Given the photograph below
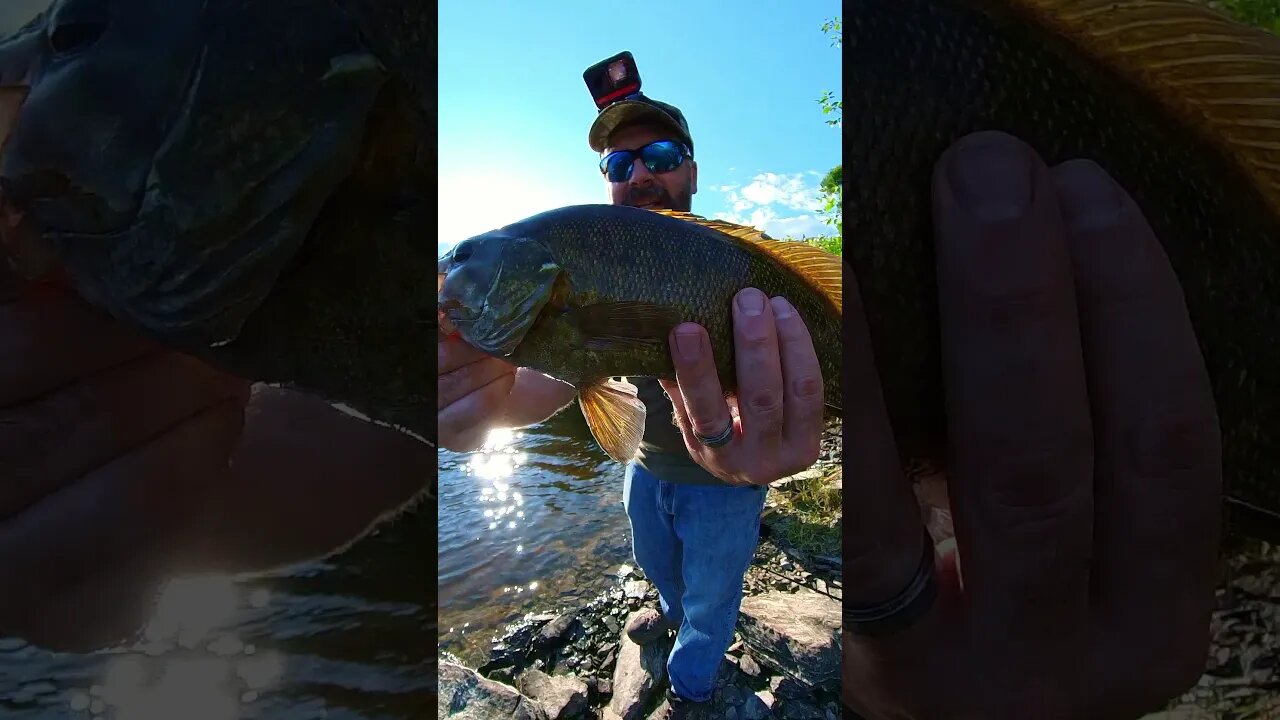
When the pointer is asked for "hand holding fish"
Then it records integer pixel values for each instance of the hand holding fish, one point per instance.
(1085, 464)
(122, 464)
(103, 436)
(777, 429)
(472, 393)
(477, 393)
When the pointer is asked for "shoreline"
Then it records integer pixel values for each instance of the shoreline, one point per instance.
(574, 661)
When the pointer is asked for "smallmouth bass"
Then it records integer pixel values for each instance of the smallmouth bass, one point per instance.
(589, 293)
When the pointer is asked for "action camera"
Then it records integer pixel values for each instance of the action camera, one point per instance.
(612, 79)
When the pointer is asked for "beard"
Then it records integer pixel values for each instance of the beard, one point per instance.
(656, 195)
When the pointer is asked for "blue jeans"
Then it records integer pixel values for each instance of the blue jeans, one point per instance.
(695, 543)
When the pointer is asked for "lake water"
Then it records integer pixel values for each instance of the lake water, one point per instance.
(532, 522)
(349, 639)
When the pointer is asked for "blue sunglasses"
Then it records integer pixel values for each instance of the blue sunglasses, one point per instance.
(660, 157)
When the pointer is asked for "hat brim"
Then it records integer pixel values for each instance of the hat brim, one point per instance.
(631, 112)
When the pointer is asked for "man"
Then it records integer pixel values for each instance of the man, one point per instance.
(694, 492)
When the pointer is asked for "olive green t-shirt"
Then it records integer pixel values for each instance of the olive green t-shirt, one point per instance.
(662, 451)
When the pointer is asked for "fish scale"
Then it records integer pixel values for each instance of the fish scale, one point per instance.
(1053, 73)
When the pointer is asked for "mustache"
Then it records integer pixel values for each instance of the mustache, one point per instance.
(645, 195)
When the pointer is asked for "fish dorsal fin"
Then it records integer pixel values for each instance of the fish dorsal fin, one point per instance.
(1218, 75)
(819, 269)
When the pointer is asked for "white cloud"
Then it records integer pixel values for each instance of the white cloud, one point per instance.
(782, 205)
(778, 226)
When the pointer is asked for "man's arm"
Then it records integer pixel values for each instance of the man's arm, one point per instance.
(536, 398)
(307, 479)
(477, 393)
(118, 473)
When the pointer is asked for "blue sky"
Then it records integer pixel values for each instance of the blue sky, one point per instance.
(514, 110)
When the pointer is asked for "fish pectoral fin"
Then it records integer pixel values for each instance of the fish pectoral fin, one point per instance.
(625, 325)
(615, 414)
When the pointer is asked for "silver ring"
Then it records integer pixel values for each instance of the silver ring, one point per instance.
(719, 440)
(902, 611)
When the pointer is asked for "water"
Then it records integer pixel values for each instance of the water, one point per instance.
(345, 639)
(532, 522)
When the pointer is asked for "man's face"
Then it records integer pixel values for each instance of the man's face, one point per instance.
(671, 191)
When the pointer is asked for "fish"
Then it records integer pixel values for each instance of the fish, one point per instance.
(1175, 100)
(240, 180)
(588, 294)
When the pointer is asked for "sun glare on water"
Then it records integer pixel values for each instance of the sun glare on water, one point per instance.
(494, 467)
(186, 666)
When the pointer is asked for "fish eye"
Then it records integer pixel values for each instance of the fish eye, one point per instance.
(73, 36)
(463, 251)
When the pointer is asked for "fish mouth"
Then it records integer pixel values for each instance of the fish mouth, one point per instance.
(453, 317)
(475, 300)
(24, 250)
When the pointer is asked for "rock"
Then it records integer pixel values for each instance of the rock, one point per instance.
(759, 706)
(748, 666)
(466, 695)
(797, 634)
(502, 675)
(635, 589)
(638, 677)
(555, 632)
(1183, 712)
(800, 710)
(787, 689)
(612, 624)
(561, 697)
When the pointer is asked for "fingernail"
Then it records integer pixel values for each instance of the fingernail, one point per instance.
(689, 345)
(991, 177)
(1089, 198)
(751, 302)
(781, 308)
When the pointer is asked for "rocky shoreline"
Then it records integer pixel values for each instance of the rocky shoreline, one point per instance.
(1241, 680)
(578, 663)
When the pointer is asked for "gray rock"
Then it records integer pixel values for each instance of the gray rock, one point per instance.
(759, 706)
(800, 710)
(787, 689)
(635, 589)
(748, 666)
(561, 697)
(555, 632)
(467, 695)
(797, 634)
(638, 677)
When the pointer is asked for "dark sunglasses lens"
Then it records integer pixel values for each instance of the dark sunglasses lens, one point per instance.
(618, 166)
(662, 157)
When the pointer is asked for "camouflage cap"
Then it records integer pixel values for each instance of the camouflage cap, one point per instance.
(637, 109)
